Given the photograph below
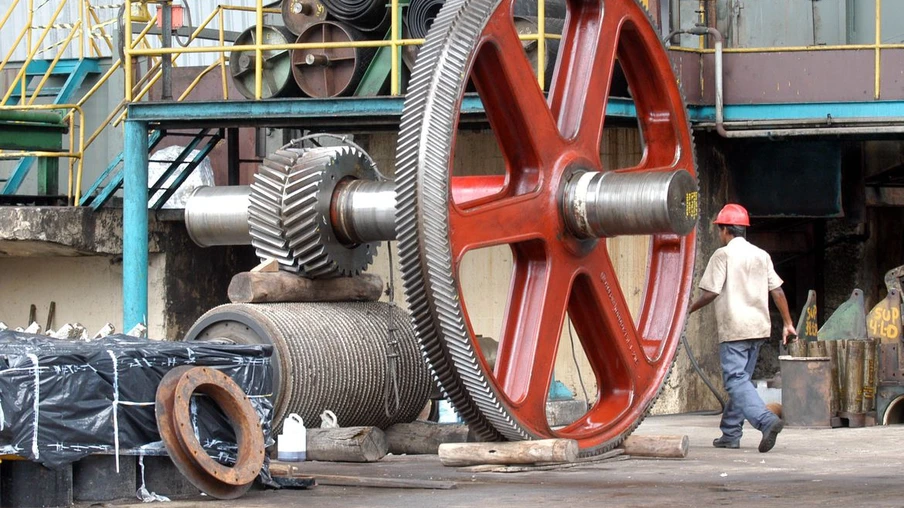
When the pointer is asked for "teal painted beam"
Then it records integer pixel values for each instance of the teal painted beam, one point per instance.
(391, 108)
(175, 112)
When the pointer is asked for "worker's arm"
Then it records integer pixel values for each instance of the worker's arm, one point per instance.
(705, 298)
(778, 296)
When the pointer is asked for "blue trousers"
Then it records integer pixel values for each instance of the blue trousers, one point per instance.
(738, 361)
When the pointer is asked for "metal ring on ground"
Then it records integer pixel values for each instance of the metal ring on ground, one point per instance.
(177, 432)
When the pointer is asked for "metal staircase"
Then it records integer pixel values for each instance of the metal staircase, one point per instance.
(67, 77)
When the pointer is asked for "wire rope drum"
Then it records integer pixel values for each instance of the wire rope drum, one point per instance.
(330, 72)
(329, 356)
(277, 78)
(556, 208)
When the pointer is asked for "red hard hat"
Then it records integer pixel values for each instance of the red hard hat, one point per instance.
(733, 215)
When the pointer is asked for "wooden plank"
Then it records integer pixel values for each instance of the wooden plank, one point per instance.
(516, 452)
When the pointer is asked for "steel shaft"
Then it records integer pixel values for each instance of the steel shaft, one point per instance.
(218, 216)
(594, 205)
(606, 204)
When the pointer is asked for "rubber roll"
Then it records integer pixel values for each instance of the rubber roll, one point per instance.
(420, 16)
(328, 356)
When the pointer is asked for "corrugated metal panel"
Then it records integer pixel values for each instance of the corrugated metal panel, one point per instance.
(107, 12)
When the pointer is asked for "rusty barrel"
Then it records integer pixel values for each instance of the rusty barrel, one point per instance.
(807, 392)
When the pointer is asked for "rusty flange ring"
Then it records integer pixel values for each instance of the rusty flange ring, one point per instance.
(176, 429)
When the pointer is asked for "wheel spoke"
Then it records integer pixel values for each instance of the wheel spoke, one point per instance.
(604, 323)
(512, 98)
(503, 221)
(580, 90)
(663, 310)
(534, 315)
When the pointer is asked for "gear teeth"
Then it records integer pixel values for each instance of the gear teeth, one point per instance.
(289, 210)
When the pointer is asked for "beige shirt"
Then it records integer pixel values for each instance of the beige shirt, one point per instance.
(742, 275)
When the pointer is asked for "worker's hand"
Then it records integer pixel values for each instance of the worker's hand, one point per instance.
(788, 331)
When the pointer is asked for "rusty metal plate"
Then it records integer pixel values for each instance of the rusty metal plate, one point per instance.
(884, 321)
(177, 432)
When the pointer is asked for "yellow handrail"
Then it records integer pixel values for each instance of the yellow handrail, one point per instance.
(33, 52)
(54, 62)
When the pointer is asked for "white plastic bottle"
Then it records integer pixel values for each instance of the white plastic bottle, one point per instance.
(292, 445)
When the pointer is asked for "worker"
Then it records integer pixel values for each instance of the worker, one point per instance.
(738, 278)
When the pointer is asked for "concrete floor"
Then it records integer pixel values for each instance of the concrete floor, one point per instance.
(839, 467)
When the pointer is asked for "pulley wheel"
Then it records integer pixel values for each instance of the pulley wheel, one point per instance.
(298, 14)
(277, 72)
(330, 72)
(546, 144)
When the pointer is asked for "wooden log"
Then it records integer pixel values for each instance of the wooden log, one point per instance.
(516, 452)
(669, 447)
(420, 438)
(270, 287)
(347, 444)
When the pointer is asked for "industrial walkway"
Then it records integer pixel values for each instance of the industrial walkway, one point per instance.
(839, 467)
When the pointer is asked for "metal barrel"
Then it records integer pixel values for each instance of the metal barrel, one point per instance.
(330, 356)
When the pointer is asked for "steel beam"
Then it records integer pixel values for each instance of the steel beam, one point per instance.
(135, 225)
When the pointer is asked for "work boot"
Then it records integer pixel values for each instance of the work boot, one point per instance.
(770, 434)
(724, 442)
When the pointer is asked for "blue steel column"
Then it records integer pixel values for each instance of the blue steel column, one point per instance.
(135, 225)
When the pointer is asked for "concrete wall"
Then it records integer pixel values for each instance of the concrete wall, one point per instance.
(85, 289)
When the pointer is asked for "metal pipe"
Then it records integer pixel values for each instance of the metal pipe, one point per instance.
(167, 42)
(607, 204)
(135, 225)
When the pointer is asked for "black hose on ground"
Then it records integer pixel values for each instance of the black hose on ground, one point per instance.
(706, 381)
